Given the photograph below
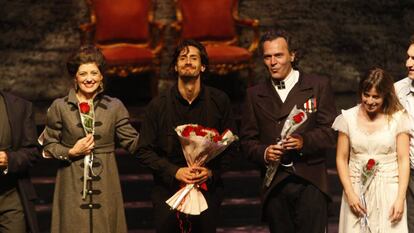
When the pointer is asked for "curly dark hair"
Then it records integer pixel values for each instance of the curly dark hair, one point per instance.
(85, 54)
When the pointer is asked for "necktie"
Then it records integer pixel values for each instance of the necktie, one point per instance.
(280, 84)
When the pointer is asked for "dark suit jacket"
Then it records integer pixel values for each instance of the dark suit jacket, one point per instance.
(23, 153)
(263, 119)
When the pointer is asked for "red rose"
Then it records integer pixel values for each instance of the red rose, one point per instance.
(84, 107)
(217, 138)
(199, 130)
(298, 117)
(215, 132)
(370, 164)
(187, 130)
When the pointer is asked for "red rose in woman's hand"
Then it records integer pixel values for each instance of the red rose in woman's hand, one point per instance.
(84, 107)
(298, 117)
(370, 164)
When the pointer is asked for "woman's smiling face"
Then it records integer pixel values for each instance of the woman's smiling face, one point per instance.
(372, 101)
(88, 79)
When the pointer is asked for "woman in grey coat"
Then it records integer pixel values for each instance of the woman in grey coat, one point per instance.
(87, 199)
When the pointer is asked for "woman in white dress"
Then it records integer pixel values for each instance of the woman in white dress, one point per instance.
(377, 129)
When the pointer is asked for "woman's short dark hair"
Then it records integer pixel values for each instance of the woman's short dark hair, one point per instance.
(384, 85)
(184, 45)
(85, 54)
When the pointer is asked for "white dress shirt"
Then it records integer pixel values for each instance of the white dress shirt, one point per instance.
(291, 79)
(405, 92)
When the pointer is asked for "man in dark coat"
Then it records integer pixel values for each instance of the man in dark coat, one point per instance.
(296, 198)
(18, 153)
(187, 102)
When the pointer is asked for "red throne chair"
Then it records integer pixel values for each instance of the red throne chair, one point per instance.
(214, 22)
(125, 30)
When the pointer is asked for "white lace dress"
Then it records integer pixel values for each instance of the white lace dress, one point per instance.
(382, 192)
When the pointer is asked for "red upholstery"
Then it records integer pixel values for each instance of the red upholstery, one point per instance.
(214, 22)
(113, 21)
(128, 55)
(224, 54)
(125, 32)
(207, 19)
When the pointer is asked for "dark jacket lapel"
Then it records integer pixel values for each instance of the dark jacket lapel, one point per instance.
(269, 101)
(299, 94)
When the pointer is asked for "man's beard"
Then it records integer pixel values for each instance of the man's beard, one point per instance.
(188, 75)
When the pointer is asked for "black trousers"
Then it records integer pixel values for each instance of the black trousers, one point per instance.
(171, 221)
(11, 213)
(296, 206)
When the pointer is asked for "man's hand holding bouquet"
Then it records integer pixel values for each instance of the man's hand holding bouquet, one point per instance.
(199, 145)
(295, 119)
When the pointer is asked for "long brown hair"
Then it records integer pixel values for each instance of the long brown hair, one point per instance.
(384, 84)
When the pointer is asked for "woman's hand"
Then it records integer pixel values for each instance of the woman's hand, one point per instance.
(397, 210)
(355, 204)
(83, 146)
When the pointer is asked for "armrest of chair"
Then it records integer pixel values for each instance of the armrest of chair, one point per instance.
(86, 31)
(176, 25)
(160, 27)
(254, 25)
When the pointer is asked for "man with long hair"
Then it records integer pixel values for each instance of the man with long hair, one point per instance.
(188, 101)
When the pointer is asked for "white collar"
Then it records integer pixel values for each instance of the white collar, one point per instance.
(290, 80)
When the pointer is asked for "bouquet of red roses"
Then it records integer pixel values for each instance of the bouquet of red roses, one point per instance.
(295, 119)
(367, 175)
(200, 145)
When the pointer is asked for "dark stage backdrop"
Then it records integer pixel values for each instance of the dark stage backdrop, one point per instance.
(340, 39)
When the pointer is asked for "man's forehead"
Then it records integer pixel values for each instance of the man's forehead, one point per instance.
(189, 50)
(279, 43)
(411, 49)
